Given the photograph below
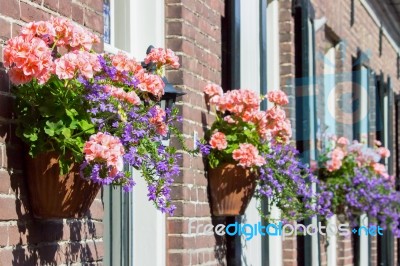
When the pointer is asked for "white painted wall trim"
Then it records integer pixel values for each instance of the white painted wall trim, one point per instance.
(364, 250)
(273, 83)
(250, 79)
(332, 242)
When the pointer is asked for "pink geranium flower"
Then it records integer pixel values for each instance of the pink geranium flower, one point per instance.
(343, 141)
(380, 169)
(161, 56)
(383, 152)
(247, 156)
(102, 147)
(150, 83)
(218, 141)
(158, 120)
(278, 97)
(213, 90)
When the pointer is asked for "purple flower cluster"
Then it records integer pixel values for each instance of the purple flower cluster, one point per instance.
(374, 196)
(204, 149)
(288, 184)
(132, 124)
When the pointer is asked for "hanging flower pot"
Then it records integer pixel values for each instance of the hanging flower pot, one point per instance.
(58, 196)
(96, 112)
(249, 153)
(231, 189)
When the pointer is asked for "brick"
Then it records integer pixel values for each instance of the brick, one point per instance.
(179, 226)
(52, 4)
(10, 8)
(3, 236)
(177, 242)
(44, 231)
(185, 209)
(77, 13)
(96, 211)
(180, 192)
(173, 12)
(95, 4)
(65, 8)
(15, 29)
(11, 209)
(5, 182)
(17, 256)
(31, 13)
(5, 29)
(93, 21)
(50, 254)
(174, 27)
(84, 252)
(178, 259)
(94, 250)
(79, 230)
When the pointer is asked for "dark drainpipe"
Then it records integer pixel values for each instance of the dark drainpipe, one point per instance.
(231, 81)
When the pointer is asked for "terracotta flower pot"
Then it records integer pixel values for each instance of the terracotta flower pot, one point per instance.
(58, 196)
(231, 189)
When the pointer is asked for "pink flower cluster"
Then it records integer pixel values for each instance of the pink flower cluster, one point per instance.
(335, 162)
(68, 65)
(121, 94)
(102, 147)
(158, 120)
(150, 83)
(244, 104)
(278, 97)
(364, 156)
(162, 56)
(125, 64)
(247, 156)
(213, 90)
(239, 102)
(28, 59)
(72, 37)
(29, 55)
(218, 141)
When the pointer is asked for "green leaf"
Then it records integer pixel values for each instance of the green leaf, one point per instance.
(31, 136)
(86, 126)
(71, 113)
(66, 132)
(49, 131)
(74, 124)
(52, 128)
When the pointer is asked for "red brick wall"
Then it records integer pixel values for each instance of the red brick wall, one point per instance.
(193, 30)
(24, 240)
(344, 251)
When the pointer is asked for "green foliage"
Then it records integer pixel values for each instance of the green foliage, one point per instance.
(236, 133)
(53, 117)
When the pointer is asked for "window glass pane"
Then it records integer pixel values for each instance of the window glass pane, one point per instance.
(107, 21)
